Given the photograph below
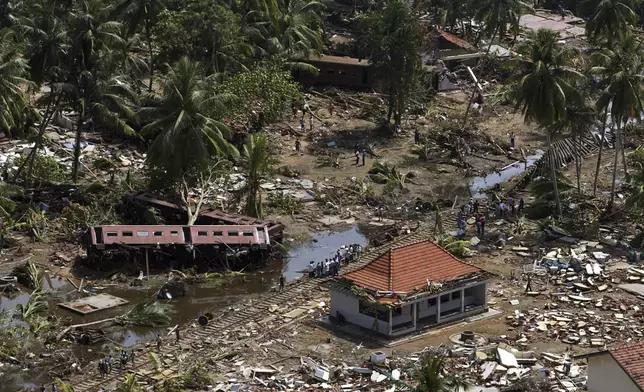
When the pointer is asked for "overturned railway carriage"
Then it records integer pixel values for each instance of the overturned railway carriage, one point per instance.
(175, 212)
(207, 242)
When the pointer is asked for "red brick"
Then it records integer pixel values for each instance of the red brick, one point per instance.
(407, 268)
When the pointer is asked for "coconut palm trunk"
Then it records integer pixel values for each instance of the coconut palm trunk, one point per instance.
(553, 173)
(577, 144)
(148, 37)
(615, 158)
(77, 145)
(599, 155)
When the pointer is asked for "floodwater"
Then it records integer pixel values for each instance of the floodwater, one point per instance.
(215, 295)
(473, 187)
(323, 246)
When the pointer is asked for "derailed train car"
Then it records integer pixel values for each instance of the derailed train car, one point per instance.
(206, 242)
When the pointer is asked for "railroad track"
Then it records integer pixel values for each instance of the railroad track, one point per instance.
(297, 292)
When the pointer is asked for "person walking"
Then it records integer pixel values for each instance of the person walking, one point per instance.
(282, 280)
(512, 140)
(438, 225)
(177, 333)
(297, 145)
(357, 154)
(311, 120)
(364, 156)
(475, 206)
(43, 388)
(512, 206)
(110, 362)
(416, 136)
(331, 107)
(159, 341)
(303, 124)
(132, 356)
(521, 206)
(54, 387)
(528, 287)
(482, 224)
(478, 224)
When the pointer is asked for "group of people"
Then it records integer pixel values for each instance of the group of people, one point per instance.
(360, 152)
(503, 210)
(105, 365)
(331, 267)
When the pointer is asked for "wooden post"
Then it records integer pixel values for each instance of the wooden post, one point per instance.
(147, 263)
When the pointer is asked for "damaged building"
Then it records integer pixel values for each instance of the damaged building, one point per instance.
(409, 288)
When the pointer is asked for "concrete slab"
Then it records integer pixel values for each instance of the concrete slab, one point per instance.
(297, 312)
(93, 304)
(633, 288)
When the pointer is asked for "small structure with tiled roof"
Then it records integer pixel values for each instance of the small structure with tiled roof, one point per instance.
(620, 369)
(408, 288)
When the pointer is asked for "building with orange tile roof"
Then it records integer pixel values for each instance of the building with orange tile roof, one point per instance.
(619, 369)
(409, 288)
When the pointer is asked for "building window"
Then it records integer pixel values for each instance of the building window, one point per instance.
(218, 233)
(444, 298)
(342, 73)
(331, 72)
(398, 311)
(248, 234)
(456, 295)
(202, 233)
(127, 234)
(112, 234)
(233, 234)
(372, 310)
(158, 234)
(431, 302)
(142, 233)
(174, 233)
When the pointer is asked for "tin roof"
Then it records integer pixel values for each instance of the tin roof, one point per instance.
(409, 267)
(456, 41)
(338, 60)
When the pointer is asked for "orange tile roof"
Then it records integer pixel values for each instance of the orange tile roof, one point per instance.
(631, 359)
(455, 40)
(407, 268)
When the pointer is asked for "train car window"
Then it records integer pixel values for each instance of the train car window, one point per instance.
(112, 234)
(142, 233)
(158, 234)
(248, 234)
(218, 233)
(127, 234)
(202, 233)
(174, 233)
(233, 233)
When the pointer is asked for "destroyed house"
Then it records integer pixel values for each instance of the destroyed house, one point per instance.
(409, 288)
(620, 369)
(214, 237)
(176, 212)
(336, 71)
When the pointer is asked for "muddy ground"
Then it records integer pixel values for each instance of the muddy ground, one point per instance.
(346, 128)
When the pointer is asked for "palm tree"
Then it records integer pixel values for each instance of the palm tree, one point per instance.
(546, 87)
(496, 15)
(257, 162)
(183, 123)
(13, 72)
(129, 385)
(578, 120)
(623, 83)
(137, 12)
(47, 45)
(63, 386)
(429, 376)
(609, 19)
(294, 33)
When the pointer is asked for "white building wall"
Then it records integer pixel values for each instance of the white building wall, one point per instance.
(606, 375)
(424, 310)
(349, 306)
(405, 316)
